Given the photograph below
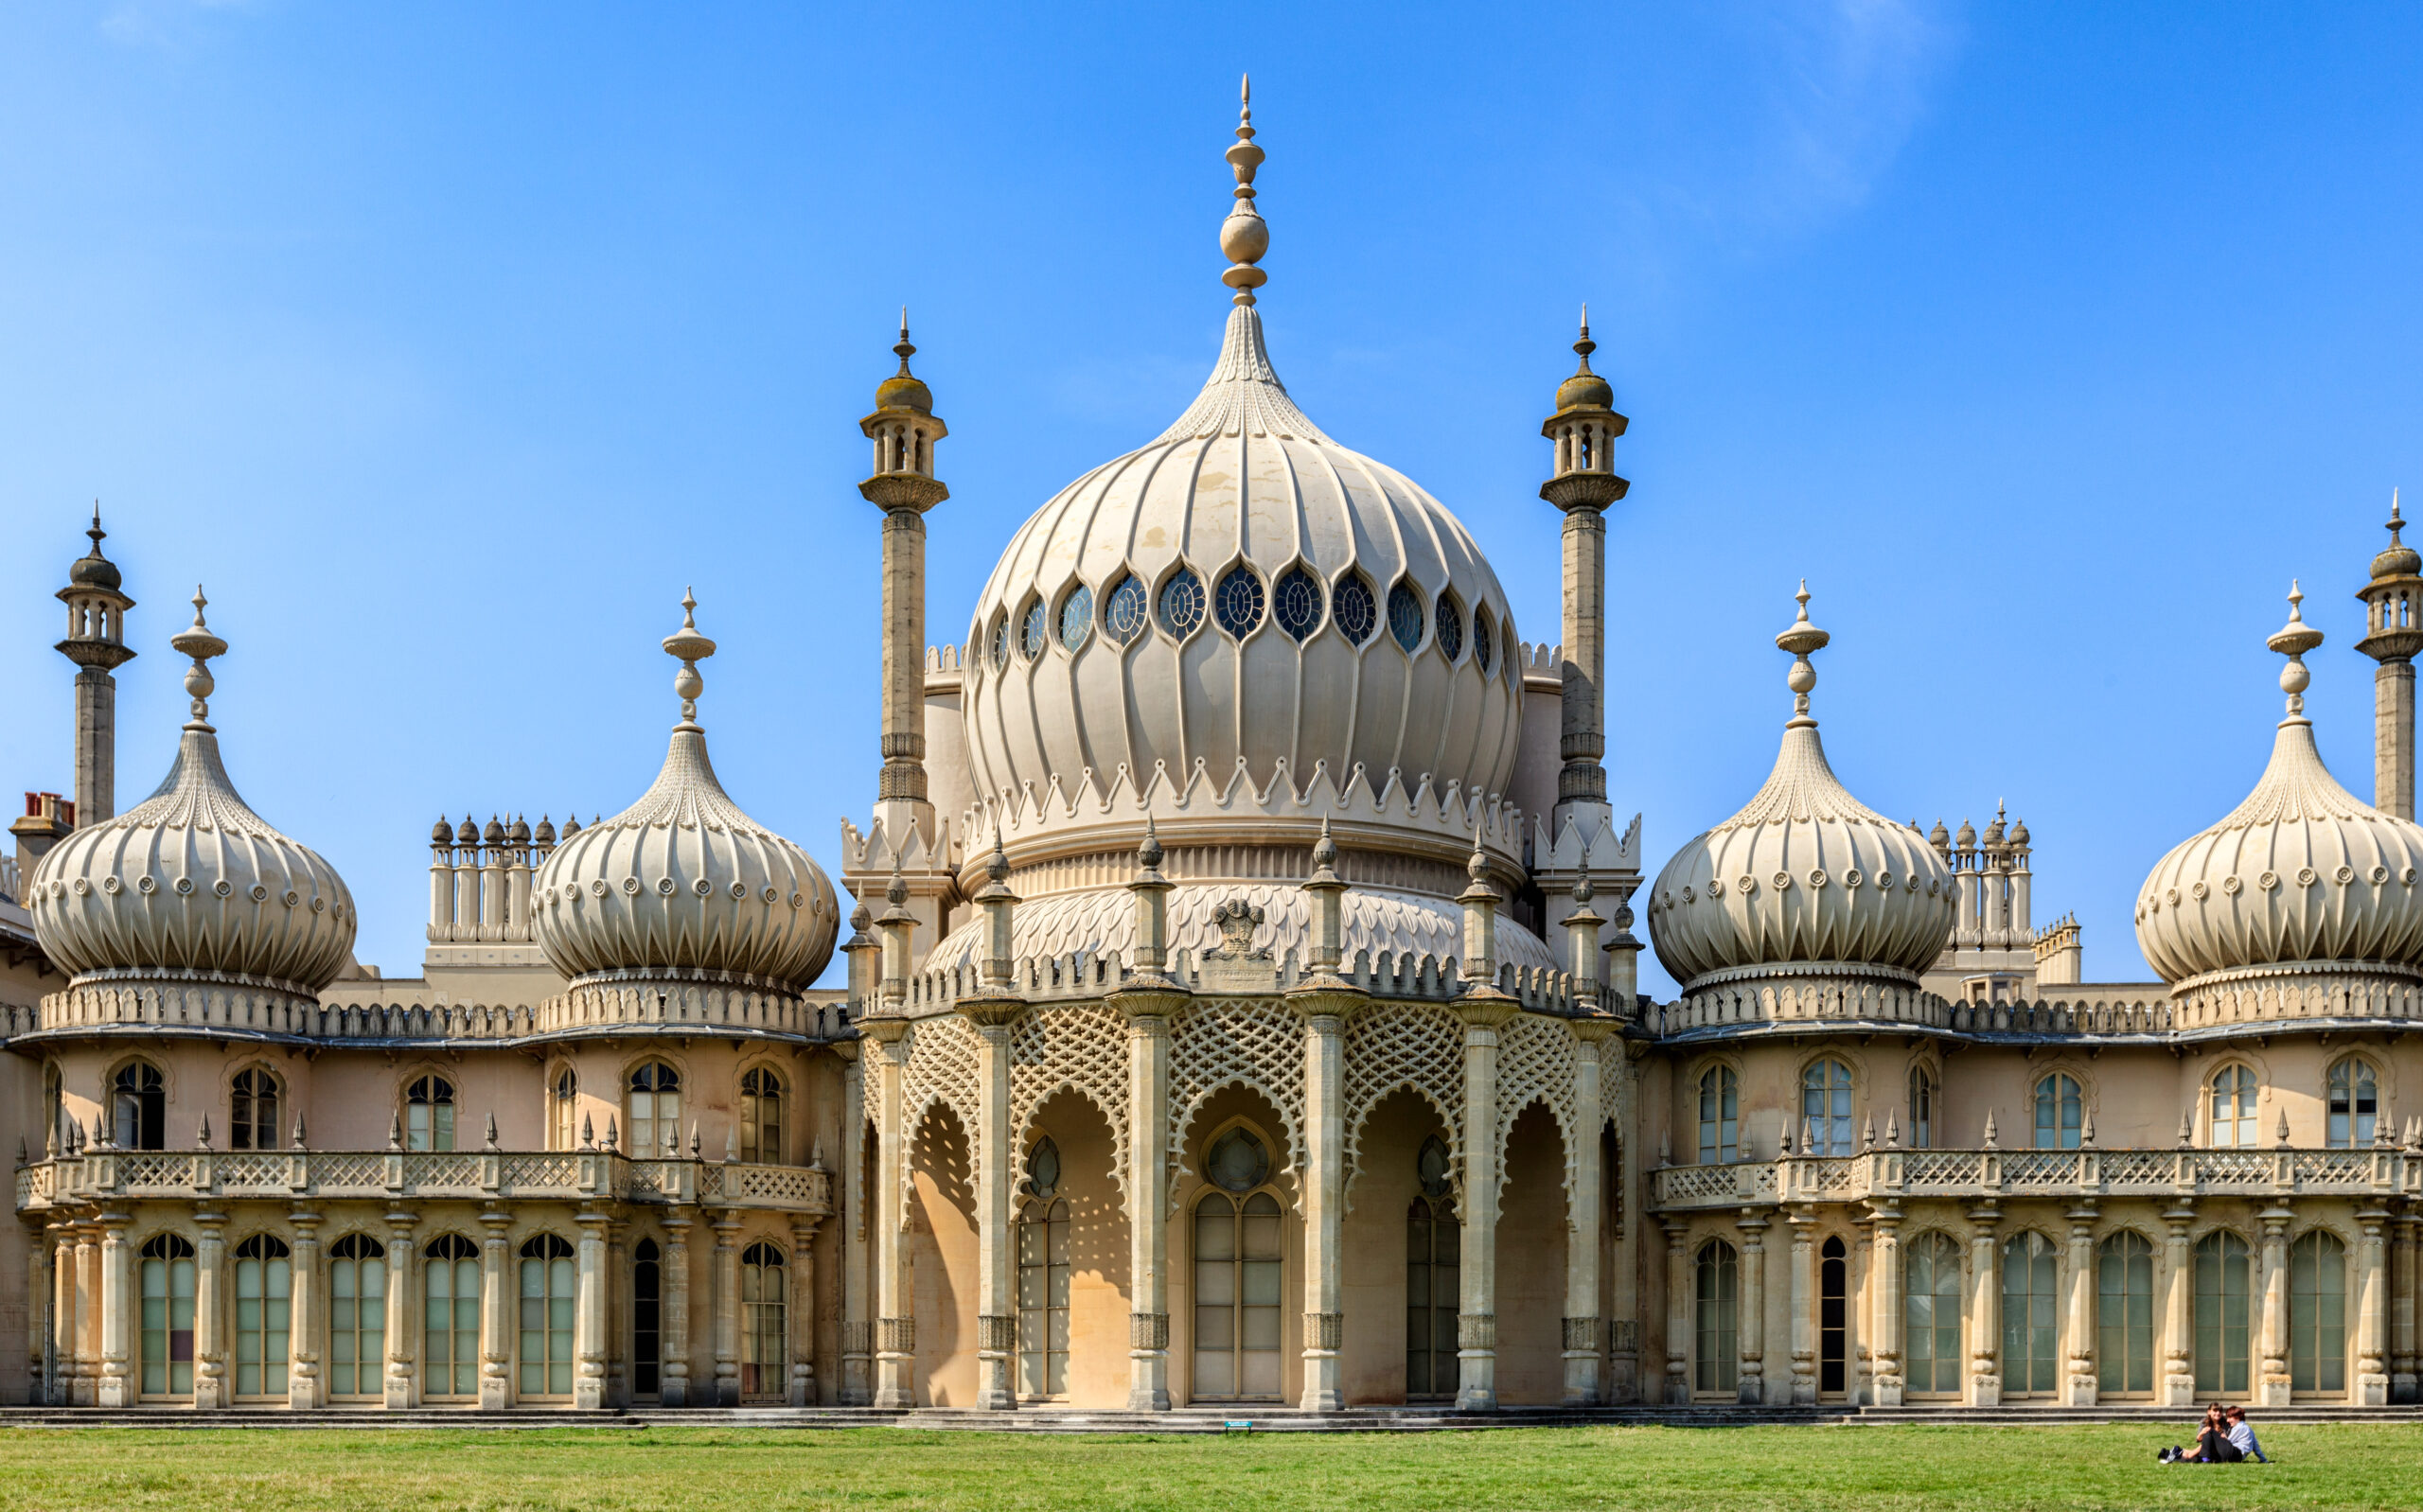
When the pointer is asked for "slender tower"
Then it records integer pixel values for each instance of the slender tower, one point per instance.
(904, 429)
(1583, 431)
(2393, 634)
(97, 644)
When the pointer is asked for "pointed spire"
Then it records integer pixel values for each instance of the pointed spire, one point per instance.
(201, 645)
(299, 1135)
(2293, 639)
(612, 1136)
(1801, 638)
(2186, 1126)
(730, 1143)
(2086, 1131)
(202, 1135)
(396, 1131)
(588, 1134)
(693, 1139)
(902, 348)
(1245, 237)
(490, 1141)
(2283, 1133)
(1868, 1131)
(1893, 1129)
(689, 647)
(1991, 1141)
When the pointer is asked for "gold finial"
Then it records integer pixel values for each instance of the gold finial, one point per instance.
(2293, 639)
(1245, 237)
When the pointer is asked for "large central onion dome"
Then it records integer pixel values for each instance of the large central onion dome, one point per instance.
(682, 886)
(2300, 875)
(1806, 880)
(190, 885)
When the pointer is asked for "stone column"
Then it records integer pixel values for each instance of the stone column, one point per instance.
(1678, 1314)
(588, 1313)
(2402, 1297)
(673, 1313)
(305, 1387)
(36, 1316)
(904, 430)
(895, 1360)
(618, 1318)
(857, 1322)
(88, 1316)
(2392, 737)
(726, 1305)
(118, 1384)
(994, 1154)
(1985, 1308)
(1148, 1012)
(2272, 1384)
(2080, 1323)
(2179, 1309)
(60, 1350)
(1324, 1015)
(401, 1381)
(496, 1314)
(1587, 1219)
(1751, 1314)
(1889, 1315)
(801, 1311)
(1584, 429)
(2372, 1313)
(1804, 1306)
(1484, 1010)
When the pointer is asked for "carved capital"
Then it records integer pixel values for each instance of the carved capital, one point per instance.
(896, 1336)
(1476, 1330)
(1148, 1330)
(1324, 1330)
(1582, 1334)
(996, 1332)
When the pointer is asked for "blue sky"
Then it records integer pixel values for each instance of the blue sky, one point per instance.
(447, 343)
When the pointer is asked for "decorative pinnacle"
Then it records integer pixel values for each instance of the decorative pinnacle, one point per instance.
(1324, 849)
(1801, 639)
(2293, 639)
(997, 867)
(691, 648)
(1245, 237)
(99, 535)
(1148, 854)
(199, 643)
(902, 346)
(1586, 345)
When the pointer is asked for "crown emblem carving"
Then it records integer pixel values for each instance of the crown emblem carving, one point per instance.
(1238, 920)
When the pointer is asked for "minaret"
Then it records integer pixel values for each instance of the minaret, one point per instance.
(2393, 634)
(904, 429)
(97, 644)
(1584, 429)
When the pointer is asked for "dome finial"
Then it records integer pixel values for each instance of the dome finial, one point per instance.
(902, 348)
(1800, 640)
(1245, 237)
(1586, 345)
(2293, 639)
(96, 533)
(200, 644)
(691, 648)
(2396, 524)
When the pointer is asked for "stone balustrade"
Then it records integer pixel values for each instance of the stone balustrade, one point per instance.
(1969, 1174)
(1084, 975)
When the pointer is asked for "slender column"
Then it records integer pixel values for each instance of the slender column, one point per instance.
(2372, 1313)
(618, 1320)
(1804, 1307)
(1485, 1011)
(117, 1381)
(1886, 1321)
(1324, 1015)
(1751, 1316)
(60, 1389)
(904, 430)
(495, 1317)
(1985, 1308)
(727, 1302)
(1678, 1314)
(2392, 737)
(1584, 1221)
(38, 1290)
(997, 1317)
(673, 1315)
(801, 1311)
(895, 1361)
(2273, 1388)
(2080, 1313)
(858, 1324)
(401, 1381)
(305, 1387)
(1148, 1015)
(588, 1314)
(2401, 1296)
(2178, 1313)
(1584, 429)
(88, 1316)
(96, 744)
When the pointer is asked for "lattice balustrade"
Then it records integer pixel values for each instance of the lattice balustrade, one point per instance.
(558, 1172)
(1690, 1183)
(445, 1169)
(2233, 1168)
(1080, 1048)
(256, 1170)
(155, 1169)
(2040, 1169)
(1841, 1176)
(1941, 1167)
(647, 1181)
(711, 1181)
(1535, 1065)
(2125, 1169)
(1231, 1043)
(1401, 1047)
(2337, 1168)
(791, 1186)
(349, 1172)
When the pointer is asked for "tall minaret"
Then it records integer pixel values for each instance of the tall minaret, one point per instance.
(1584, 429)
(904, 429)
(2393, 634)
(97, 644)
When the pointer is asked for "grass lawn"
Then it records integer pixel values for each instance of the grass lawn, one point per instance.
(1801, 1469)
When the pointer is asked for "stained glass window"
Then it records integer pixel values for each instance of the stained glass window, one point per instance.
(1484, 641)
(1001, 642)
(1451, 627)
(1182, 603)
(1123, 613)
(1405, 615)
(1076, 616)
(1240, 602)
(1031, 630)
(1296, 602)
(1352, 606)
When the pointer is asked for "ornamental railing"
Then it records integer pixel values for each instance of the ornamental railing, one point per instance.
(98, 1177)
(1879, 1175)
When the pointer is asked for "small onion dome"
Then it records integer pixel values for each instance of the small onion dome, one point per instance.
(546, 833)
(1966, 838)
(904, 390)
(2397, 559)
(518, 833)
(1804, 879)
(441, 832)
(93, 570)
(1586, 387)
(2019, 835)
(2301, 871)
(1995, 830)
(683, 884)
(190, 883)
(468, 834)
(1940, 838)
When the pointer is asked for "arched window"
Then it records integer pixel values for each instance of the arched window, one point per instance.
(2231, 1125)
(264, 1288)
(1717, 1301)
(1076, 617)
(252, 1106)
(2355, 1104)
(429, 1113)
(1297, 603)
(563, 1110)
(2060, 1113)
(2124, 1317)
(1405, 615)
(356, 1316)
(2318, 1313)
(1237, 1275)
(2224, 1290)
(1833, 1312)
(2031, 1329)
(764, 1349)
(1720, 1115)
(451, 1317)
(1352, 609)
(167, 1315)
(1922, 1108)
(1433, 1277)
(648, 1291)
(654, 1116)
(54, 1108)
(1484, 641)
(1826, 1107)
(1123, 613)
(1043, 1291)
(138, 1107)
(547, 1296)
(1450, 621)
(1238, 602)
(761, 1116)
(1000, 641)
(1034, 629)
(1931, 1315)
(1181, 604)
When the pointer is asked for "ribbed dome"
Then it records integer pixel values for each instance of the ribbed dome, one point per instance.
(190, 883)
(2301, 871)
(1805, 878)
(683, 884)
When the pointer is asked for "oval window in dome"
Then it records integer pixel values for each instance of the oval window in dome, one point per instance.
(1296, 602)
(1352, 609)
(1182, 603)
(1076, 616)
(1484, 641)
(1239, 603)
(1513, 652)
(1030, 630)
(1001, 638)
(1123, 613)
(1451, 627)
(1405, 615)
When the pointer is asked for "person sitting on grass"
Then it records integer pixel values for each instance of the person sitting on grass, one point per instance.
(2243, 1437)
(2213, 1445)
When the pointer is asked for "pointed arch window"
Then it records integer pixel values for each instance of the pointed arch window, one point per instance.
(764, 1299)
(54, 1109)
(264, 1288)
(1123, 613)
(2124, 1316)
(2355, 1103)
(1931, 1316)
(563, 1110)
(167, 1282)
(139, 1107)
(2231, 1125)
(356, 1316)
(761, 1116)
(1296, 603)
(648, 1318)
(1239, 603)
(1922, 1108)
(451, 1317)
(1000, 641)
(1720, 1115)
(1484, 639)
(1433, 1277)
(2318, 1313)
(2031, 1329)
(1034, 629)
(654, 1114)
(1238, 1274)
(1826, 1107)
(1353, 607)
(1182, 604)
(1405, 616)
(1076, 617)
(2060, 1113)
(2224, 1312)
(1450, 620)
(1043, 1286)
(429, 1113)
(547, 1298)
(1717, 1318)
(252, 1099)
(1834, 1314)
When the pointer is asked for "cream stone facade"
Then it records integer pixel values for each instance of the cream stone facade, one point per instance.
(1240, 1006)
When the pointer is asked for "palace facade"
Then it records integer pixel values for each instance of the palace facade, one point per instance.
(1242, 1006)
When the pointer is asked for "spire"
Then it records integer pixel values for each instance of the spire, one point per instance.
(902, 347)
(690, 648)
(199, 643)
(1245, 235)
(1800, 640)
(2293, 639)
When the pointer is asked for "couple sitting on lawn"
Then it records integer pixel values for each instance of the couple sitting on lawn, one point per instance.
(2226, 1438)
